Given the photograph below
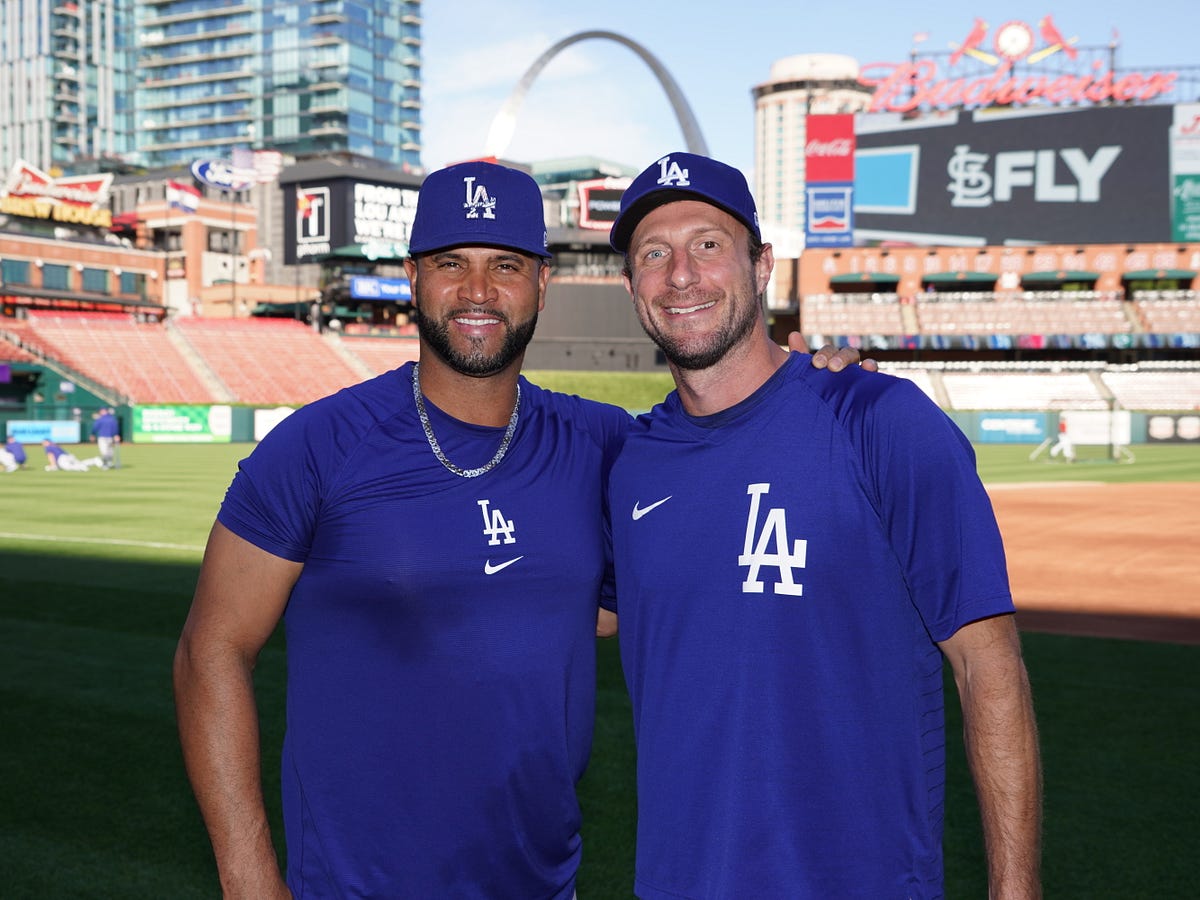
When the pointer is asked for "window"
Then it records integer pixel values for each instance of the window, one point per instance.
(133, 283)
(219, 241)
(14, 271)
(56, 278)
(95, 280)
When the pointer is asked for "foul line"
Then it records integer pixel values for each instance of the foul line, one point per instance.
(58, 539)
(1027, 485)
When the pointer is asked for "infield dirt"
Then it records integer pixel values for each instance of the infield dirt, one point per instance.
(1104, 560)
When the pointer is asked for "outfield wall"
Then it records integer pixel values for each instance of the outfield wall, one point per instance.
(221, 423)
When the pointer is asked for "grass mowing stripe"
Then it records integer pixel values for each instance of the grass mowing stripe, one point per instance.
(116, 542)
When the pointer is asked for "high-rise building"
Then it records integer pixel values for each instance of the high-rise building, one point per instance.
(816, 83)
(320, 78)
(65, 83)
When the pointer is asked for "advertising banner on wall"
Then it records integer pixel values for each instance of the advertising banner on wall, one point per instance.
(30, 193)
(182, 424)
(1185, 173)
(600, 201)
(829, 181)
(323, 217)
(34, 431)
(371, 287)
(1173, 429)
(1071, 176)
(1011, 428)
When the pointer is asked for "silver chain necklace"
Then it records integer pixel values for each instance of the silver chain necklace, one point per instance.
(437, 448)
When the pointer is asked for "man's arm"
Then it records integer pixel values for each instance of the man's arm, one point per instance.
(240, 596)
(1002, 751)
(835, 358)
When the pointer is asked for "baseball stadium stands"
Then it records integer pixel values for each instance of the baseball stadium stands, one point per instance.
(1030, 313)
(1022, 390)
(14, 336)
(381, 355)
(1149, 386)
(1146, 386)
(136, 359)
(285, 362)
(854, 314)
(268, 361)
(1168, 312)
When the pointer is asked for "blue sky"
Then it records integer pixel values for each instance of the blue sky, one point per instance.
(598, 98)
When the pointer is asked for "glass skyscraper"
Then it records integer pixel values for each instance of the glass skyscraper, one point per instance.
(65, 86)
(322, 78)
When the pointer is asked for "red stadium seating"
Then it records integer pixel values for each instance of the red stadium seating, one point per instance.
(269, 361)
(381, 355)
(137, 360)
(13, 331)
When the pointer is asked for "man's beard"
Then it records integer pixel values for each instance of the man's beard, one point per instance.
(474, 362)
(687, 355)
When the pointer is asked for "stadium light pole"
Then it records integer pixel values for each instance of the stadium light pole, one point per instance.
(233, 253)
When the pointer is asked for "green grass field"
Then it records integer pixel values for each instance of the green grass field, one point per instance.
(96, 573)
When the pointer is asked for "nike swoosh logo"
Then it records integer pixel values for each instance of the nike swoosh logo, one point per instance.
(489, 569)
(639, 511)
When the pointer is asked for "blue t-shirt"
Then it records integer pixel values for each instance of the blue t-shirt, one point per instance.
(784, 569)
(440, 639)
(106, 426)
(18, 452)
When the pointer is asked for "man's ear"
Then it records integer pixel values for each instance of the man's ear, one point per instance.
(764, 267)
(543, 284)
(410, 269)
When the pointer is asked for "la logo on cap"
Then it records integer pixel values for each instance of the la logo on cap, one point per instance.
(671, 174)
(478, 199)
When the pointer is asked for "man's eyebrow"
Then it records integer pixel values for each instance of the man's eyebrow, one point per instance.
(700, 230)
(497, 254)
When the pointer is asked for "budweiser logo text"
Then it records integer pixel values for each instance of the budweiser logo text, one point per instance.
(901, 87)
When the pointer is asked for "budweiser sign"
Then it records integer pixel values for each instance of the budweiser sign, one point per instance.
(904, 87)
(75, 200)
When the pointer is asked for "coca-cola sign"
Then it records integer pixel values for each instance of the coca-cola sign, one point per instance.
(829, 149)
(837, 147)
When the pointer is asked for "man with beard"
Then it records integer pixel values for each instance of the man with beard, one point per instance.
(784, 664)
(434, 541)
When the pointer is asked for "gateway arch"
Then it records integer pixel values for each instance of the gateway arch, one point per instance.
(505, 123)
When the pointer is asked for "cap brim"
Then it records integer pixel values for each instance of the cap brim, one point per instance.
(627, 221)
(475, 239)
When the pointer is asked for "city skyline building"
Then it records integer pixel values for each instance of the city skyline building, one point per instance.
(331, 78)
(117, 84)
(814, 83)
(66, 87)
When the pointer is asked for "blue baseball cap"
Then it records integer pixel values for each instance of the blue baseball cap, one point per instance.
(683, 176)
(479, 203)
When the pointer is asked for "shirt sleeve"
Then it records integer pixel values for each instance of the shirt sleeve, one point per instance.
(275, 496)
(934, 509)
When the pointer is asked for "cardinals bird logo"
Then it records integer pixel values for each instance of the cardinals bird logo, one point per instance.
(970, 45)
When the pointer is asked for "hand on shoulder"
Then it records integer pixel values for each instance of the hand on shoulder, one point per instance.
(831, 357)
